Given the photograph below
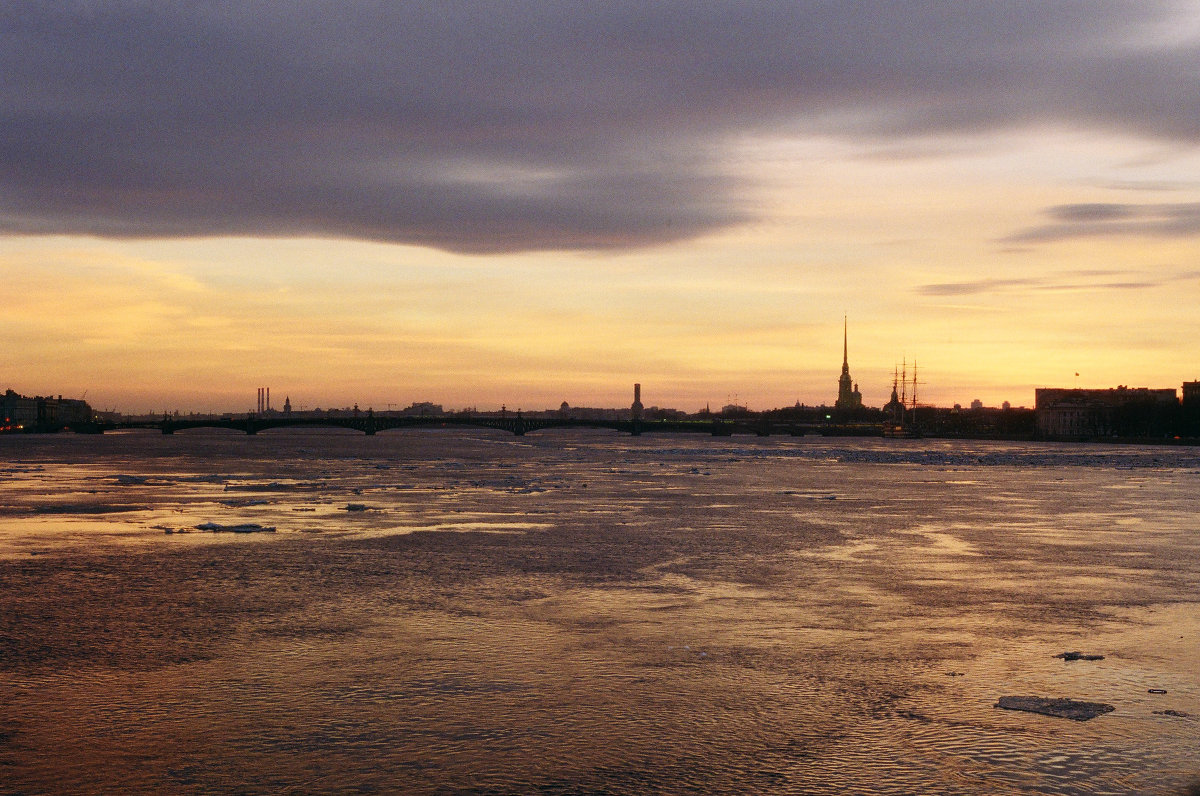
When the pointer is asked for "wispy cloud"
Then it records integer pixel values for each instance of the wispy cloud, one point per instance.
(1096, 220)
(973, 287)
(536, 125)
(1080, 280)
(1153, 186)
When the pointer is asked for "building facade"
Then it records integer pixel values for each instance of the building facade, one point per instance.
(19, 412)
(1190, 409)
(1120, 411)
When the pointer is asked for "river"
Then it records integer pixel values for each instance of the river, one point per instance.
(574, 612)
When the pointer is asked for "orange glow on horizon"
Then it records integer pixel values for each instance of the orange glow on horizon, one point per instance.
(913, 250)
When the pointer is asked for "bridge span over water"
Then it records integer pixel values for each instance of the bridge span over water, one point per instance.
(371, 424)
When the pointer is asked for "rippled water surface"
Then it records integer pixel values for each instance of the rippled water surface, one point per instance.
(456, 612)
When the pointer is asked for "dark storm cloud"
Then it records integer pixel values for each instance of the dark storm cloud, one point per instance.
(520, 125)
(1096, 220)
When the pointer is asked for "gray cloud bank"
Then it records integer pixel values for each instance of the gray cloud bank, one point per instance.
(509, 126)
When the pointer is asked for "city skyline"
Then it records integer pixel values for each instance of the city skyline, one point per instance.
(398, 204)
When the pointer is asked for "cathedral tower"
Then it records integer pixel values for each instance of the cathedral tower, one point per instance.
(848, 395)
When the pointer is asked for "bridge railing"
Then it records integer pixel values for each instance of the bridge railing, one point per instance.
(370, 424)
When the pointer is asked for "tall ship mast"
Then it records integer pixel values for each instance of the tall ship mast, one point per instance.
(903, 403)
(914, 393)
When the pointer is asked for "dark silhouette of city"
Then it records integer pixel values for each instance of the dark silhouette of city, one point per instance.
(1121, 413)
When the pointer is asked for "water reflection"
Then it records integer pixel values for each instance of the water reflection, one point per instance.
(593, 613)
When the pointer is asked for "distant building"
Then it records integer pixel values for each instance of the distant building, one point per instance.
(593, 413)
(894, 408)
(635, 410)
(663, 413)
(849, 397)
(66, 411)
(419, 409)
(1121, 411)
(1191, 409)
(735, 410)
(45, 412)
(17, 411)
(1191, 396)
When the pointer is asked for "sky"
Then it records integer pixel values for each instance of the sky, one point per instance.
(524, 203)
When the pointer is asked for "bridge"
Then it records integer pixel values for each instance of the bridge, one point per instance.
(369, 423)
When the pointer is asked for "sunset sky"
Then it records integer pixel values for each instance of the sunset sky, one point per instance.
(477, 203)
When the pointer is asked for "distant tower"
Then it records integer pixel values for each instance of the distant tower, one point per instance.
(636, 409)
(287, 404)
(848, 395)
(895, 407)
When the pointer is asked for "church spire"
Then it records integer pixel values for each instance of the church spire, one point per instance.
(848, 395)
(845, 344)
